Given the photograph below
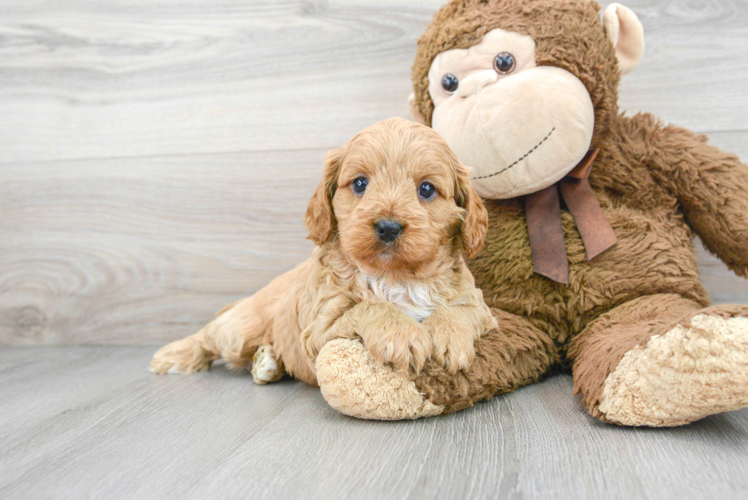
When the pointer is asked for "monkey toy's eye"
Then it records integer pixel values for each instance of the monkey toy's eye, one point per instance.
(427, 191)
(504, 63)
(359, 185)
(450, 83)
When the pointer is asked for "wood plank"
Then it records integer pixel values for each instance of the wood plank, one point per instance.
(167, 77)
(200, 77)
(145, 249)
(112, 430)
(693, 69)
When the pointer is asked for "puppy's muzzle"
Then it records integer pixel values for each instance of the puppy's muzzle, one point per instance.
(388, 230)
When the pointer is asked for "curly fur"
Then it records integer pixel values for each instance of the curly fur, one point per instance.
(409, 300)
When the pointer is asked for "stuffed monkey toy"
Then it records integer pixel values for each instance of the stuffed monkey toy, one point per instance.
(588, 264)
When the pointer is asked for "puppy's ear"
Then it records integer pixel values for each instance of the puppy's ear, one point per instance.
(475, 222)
(319, 218)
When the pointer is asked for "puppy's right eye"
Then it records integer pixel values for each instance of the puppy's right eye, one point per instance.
(427, 191)
(359, 185)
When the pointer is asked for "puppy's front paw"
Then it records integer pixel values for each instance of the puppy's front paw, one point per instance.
(403, 344)
(313, 341)
(310, 344)
(454, 343)
(182, 356)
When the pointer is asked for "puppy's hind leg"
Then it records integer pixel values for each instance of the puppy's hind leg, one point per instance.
(234, 335)
(266, 369)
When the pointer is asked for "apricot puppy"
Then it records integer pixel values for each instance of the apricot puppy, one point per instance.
(393, 218)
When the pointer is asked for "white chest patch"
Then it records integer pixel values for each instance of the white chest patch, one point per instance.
(414, 299)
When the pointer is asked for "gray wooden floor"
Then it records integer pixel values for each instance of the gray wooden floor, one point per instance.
(156, 158)
(89, 422)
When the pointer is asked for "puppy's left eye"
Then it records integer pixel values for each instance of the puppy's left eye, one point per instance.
(359, 185)
(427, 191)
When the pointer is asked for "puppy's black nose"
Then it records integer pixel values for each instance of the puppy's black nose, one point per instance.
(388, 230)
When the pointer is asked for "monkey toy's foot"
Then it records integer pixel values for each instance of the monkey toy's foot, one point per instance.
(265, 368)
(355, 384)
(697, 368)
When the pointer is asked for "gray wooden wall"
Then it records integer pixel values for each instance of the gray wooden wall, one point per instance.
(156, 156)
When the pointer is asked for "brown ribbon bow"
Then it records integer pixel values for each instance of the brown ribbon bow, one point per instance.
(544, 222)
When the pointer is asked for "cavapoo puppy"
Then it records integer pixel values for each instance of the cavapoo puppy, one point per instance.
(393, 218)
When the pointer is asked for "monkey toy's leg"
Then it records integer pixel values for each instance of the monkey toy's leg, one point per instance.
(662, 361)
(353, 383)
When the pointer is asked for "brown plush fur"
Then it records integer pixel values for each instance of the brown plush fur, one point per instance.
(507, 358)
(599, 349)
(657, 185)
(354, 285)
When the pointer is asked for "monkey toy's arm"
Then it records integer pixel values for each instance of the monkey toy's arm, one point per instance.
(712, 188)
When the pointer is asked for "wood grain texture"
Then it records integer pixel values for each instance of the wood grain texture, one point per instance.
(156, 157)
(134, 250)
(90, 422)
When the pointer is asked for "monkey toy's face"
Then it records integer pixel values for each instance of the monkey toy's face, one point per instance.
(521, 127)
(519, 103)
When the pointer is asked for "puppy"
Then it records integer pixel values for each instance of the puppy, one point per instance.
(393, 218)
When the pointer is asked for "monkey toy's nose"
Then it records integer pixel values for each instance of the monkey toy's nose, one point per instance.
(475, 83)
(388, 230)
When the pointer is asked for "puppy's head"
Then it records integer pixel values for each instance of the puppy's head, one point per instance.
(397, 198)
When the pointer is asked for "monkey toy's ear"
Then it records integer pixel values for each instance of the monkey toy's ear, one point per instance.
(319, 218)
(414, 110)
(625, 32)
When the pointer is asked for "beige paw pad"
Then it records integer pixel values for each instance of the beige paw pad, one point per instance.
(265, 369)
(354, 383)
(681, 376)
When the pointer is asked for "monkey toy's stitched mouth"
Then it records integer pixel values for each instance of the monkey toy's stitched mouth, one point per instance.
(516, 162)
